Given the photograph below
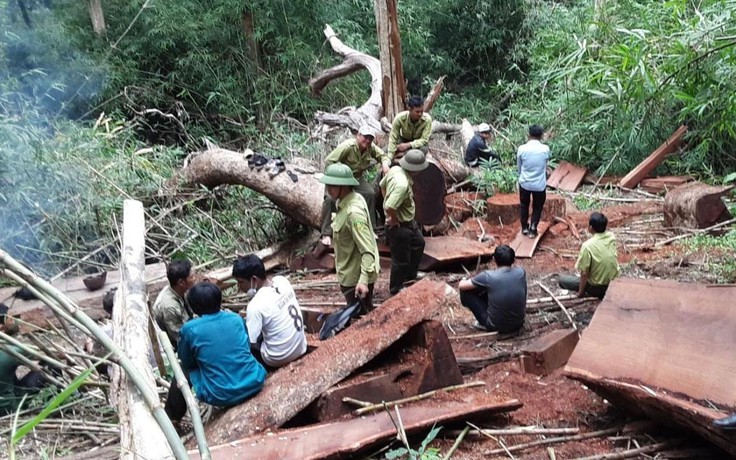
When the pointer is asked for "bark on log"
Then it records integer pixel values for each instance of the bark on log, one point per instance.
(664, 348)
(391, 69)
(695, 205)
(292, 388)
(140, 434)
(434, 94)
(301, 200)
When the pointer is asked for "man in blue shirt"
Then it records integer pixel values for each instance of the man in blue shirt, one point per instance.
(531, 159)
(214, 351)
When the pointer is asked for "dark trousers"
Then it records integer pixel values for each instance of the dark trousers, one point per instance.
(366, 189)
(537, 200)
(407, 247)
(476, 301)
(350, 297)
(572, 283)
(176, 406)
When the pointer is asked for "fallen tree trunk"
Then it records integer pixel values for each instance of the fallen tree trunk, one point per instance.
(140, 434)
(342, 439)
(664, 348)
(695, 205)
(292, 388)
(301, 200)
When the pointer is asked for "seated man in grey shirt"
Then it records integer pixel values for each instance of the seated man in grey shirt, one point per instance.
(497, 298)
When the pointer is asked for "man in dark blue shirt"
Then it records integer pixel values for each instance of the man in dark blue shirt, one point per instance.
(478, 147)
(497, 298)
(214, 351)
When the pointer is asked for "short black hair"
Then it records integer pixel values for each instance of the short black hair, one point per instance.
(4, 309)
(178, 270)
(204, 298)
(504, 255)
(536, 131)
(249, 266)
(415, 101)
(598, 222)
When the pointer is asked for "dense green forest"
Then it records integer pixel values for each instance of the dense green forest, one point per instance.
(87, 119)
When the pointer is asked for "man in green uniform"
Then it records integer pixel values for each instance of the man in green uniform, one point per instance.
(356, 252)
(358, 154)
(170, 310)
(402, 232)
(597, 262)
(410, 130)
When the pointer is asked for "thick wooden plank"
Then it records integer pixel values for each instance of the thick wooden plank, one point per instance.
(291, 388)
(635, 176)
(549, 352)
(89, 301)
(341, 439)
(524, 246)
(567, 176)
(444, 250)
(672, 341)
(662, 184)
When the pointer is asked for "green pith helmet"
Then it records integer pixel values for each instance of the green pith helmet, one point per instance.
(414, 160)
(338, 174)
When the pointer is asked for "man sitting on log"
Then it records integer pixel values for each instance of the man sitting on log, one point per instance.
(273, 318)
(357, 154)
(497, 298)
(597, 261)
(410, 130)
(215, 355)
(478, 148)
(402, 232)
(356, 251)
(170, 310)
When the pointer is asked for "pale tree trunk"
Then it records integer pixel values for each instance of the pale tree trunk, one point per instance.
(301, 200)
(98, 17)
(389, 46)
(140, 434)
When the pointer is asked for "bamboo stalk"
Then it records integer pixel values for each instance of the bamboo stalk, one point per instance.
(356, 402)
(564, 310)
(30, 351)
(374, 407)
(541, 442)
(520, 431)
(457, 443)
(695, 232)
(150, 396)
(634, 452)
(192, 405)
(33, 366)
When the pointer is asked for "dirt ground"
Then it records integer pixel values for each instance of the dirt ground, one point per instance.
(553, 400)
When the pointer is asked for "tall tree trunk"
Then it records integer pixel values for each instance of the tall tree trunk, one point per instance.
(389, 45)
(98, 17)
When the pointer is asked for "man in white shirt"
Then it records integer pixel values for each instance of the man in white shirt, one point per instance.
(531, 159)
(273, 317)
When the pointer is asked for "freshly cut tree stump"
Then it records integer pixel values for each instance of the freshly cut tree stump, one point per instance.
(695, 205)
(503, 208)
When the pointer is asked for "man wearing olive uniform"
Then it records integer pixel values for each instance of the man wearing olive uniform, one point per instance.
(402, 232)
(410, 130)
(356, 252)
(358, 154)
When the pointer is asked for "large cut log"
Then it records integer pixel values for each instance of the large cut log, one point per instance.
(429, 365)
(140, 434)
(695, 205)
(664, 348)
(344, 439)
(301, 200)
(503, 208)
(393, 92)
(292, 388)
(635, 176)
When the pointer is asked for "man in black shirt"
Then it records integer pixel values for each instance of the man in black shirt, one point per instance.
(497, 298)
(478, 147)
